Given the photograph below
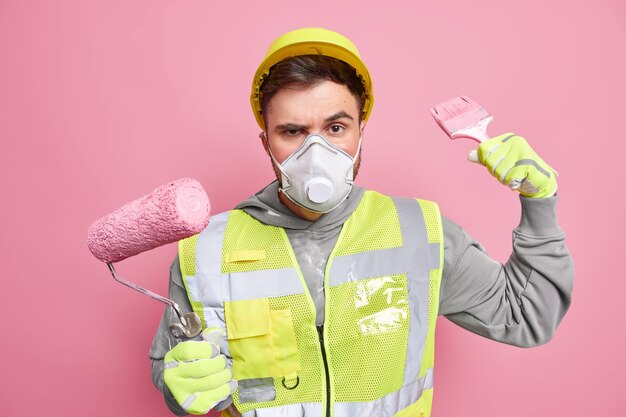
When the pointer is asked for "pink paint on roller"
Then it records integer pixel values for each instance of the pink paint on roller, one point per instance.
(171, 212)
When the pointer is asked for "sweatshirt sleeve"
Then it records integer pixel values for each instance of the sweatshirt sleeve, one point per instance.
(164, 341)
(520, 302)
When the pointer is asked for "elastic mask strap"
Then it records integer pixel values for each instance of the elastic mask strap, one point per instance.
(356, 155)
(280, 168)
(358, 148)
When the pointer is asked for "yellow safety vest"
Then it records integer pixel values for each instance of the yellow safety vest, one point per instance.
(374, 356)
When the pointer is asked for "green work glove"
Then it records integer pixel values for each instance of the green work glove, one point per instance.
(513, 162)
(197, 375)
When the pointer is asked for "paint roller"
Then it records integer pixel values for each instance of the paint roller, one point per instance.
(171, 212)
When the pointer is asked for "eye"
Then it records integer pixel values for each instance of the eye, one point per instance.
(292, 132)
(336, 129)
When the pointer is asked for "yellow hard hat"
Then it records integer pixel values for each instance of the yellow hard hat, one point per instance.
(311, 41)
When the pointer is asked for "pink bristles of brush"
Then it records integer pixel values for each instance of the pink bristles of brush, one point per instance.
(462, 117)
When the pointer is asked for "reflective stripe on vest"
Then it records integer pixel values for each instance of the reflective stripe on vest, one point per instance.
(201, 278)
(385, 406)
(392, 281)
(390, 404)
(289, 410)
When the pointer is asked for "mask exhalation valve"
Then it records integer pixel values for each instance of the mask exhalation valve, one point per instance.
(319, 189)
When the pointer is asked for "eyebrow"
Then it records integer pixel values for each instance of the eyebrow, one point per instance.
(290, 126)
(339, 115)
(295, 126)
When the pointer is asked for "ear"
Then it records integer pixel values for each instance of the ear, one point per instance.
(362, 126)
(263, 138)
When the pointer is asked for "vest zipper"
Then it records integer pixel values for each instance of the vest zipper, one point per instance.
(320, 332)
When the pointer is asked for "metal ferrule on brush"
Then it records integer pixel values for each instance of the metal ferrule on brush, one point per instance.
(477, 131)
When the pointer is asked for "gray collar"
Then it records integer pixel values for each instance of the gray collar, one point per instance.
(267, 208)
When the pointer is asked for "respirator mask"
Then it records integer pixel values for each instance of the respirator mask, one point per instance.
(317, 176)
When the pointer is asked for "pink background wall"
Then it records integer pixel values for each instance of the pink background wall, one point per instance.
(102, 101)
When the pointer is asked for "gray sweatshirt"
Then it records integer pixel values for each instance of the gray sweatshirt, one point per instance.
(520, 302)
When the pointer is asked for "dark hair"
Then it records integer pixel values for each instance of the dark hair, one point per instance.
(308, 71)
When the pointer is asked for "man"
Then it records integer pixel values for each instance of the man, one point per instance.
(323, 297)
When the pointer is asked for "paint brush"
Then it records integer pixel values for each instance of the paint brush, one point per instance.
(462, 117)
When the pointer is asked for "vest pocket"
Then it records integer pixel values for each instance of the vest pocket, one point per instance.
(261, 341)
(284, 343)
